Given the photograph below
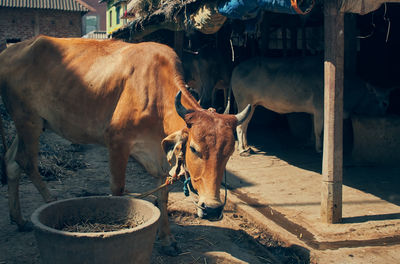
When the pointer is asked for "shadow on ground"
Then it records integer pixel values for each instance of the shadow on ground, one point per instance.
(275, 137)
(212, 244)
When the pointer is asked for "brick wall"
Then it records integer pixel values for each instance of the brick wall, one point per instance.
(23, 23)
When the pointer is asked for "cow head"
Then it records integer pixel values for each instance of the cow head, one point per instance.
(380, 99)
(204, 146)
(366, 99)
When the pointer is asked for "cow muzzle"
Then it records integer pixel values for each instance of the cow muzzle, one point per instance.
(210, 213)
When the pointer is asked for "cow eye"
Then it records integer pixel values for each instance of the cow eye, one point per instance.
(194, 151)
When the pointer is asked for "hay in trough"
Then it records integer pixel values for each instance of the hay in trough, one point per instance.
(102, 225)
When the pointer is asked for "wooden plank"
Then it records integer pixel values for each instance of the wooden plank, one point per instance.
(332, 164)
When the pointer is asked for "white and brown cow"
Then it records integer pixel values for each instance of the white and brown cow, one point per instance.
(127, 97)
(288, 85)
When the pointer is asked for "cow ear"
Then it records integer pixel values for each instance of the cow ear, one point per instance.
(173, 145)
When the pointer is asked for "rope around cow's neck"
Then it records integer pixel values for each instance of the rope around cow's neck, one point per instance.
(168, 181)
(171, 180)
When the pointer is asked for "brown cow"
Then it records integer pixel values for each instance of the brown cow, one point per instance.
(119, 95)
(207, 72)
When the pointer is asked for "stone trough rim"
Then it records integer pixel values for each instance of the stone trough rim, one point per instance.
(39, 225)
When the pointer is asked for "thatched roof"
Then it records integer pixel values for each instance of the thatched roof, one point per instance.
(150, 15)
(168, 8)
(147, 16)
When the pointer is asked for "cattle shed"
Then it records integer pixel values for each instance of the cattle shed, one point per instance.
(355, 37)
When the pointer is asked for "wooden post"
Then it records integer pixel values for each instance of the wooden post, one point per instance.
(332, 164)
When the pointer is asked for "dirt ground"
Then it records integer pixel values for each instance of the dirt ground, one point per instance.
(82, 170)
(76, 170)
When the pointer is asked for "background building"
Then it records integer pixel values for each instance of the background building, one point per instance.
(115, 10)
(20, 20)
(95, 20)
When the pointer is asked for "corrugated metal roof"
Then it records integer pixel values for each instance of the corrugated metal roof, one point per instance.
(65, 5)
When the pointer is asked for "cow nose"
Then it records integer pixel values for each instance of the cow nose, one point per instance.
(210, 213)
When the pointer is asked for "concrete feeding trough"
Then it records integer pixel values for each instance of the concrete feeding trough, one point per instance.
(376, 140)
(97, 229)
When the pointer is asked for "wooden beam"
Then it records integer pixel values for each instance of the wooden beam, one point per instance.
(332, 164)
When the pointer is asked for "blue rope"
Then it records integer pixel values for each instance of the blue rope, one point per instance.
(185, 187)
(187, 184)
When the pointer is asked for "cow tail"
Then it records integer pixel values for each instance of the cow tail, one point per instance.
(3, 164)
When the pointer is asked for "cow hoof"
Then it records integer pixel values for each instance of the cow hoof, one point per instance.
(50, 199)
(246, 153)
(171, 250)
(23, 225)
(26, 226)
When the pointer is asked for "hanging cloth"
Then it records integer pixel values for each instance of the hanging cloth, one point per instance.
(240, 9)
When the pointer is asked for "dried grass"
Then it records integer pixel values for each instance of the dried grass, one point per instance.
(144, 7)
(88, 226)
(55, 161)
(158, 11)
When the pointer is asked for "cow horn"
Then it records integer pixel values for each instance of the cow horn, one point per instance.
(243, 115)
(228, 106)
(180, 109)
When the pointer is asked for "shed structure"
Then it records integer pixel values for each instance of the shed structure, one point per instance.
(146, 17)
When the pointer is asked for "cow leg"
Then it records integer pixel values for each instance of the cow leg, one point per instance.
(29, 131)
(148, 160)
(168, 243)
(241, 130)
(23, 154)
(119, 153)
(13, 176)
(119, 156)
(214, 96)
(318, 126)
(27, 158)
